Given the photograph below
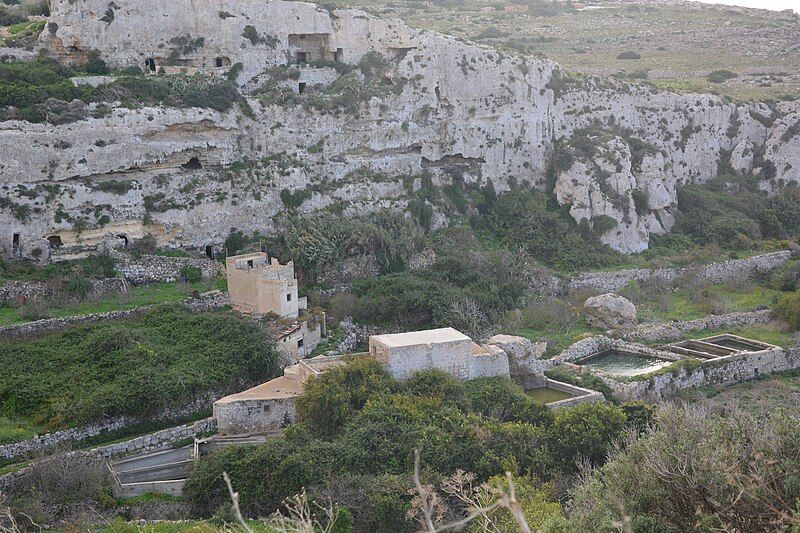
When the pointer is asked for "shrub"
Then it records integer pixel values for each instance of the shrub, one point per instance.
(330, 400)
(629, 55)
(721, 76)
(191, 274)
(788, 309)
(78, 287)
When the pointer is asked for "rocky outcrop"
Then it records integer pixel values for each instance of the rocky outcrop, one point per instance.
(438, 105)
(609, 311)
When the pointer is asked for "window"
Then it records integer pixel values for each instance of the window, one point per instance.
(288, 297)
(300, 343)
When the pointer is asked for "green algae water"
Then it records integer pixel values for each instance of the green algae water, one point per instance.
(546, 395)
(624, 364)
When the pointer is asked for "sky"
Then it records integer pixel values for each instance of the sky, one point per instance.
(777, 5)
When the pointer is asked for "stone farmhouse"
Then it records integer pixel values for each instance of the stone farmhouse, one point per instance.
(260, 286)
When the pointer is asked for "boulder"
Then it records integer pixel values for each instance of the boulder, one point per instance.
(524, 359)
(609, 311)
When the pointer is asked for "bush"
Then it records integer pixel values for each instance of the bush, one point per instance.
(788, 309)
(191, 274)
(629, 55)
(78, 287)
(330, 400)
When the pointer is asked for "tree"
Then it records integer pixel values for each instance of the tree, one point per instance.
(331, 400)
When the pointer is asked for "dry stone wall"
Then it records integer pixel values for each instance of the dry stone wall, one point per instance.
(206, 302)
(36, 445)
(666, 331)
(730, 271)
(14, 290)
(160, 269)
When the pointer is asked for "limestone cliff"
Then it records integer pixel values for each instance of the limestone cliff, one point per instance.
(438, 105)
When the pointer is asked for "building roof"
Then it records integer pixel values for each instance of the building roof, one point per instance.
(417, 338)
(274, 389)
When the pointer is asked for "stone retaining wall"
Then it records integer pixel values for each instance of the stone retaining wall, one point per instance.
(41, 443)
(666, 331)
(734, 270)
(27, 330)
(160, 269)
(156, 441)
(13, 290)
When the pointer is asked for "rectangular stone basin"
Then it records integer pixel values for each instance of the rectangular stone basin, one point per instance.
(623, 363)
(545, 395)
(735, 342)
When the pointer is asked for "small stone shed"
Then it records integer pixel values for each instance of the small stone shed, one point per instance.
(444, 349)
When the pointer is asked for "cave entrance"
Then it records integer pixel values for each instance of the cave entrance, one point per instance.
(124, 239)
(55, 241)
(302, 57)
(222, 62)
(150, 64)
(209, 251)
(338, 55)
(15, 244)
(301, 87)
(192, 164)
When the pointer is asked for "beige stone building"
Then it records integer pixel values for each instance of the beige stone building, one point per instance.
(269, 407)
(260, 286)
(444, 349)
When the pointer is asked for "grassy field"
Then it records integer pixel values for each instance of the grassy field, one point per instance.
(139, 296)
(693, 303)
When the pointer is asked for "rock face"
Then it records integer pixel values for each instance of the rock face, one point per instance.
(441, 106)
(609, 311)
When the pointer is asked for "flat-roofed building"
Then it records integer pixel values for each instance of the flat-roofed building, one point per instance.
(259, 286)
(444, 349)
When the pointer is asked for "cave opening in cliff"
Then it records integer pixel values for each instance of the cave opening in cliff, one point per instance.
(338, 55)
(209, 251)
(150, 64)
(222, 62)
(302, 57)
(124, 239)
(192, 164)
(15, 243)
(55, 241)
(301, 87)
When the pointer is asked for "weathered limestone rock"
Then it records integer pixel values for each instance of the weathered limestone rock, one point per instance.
(450, 106)
(609, 311)
(524, 358)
